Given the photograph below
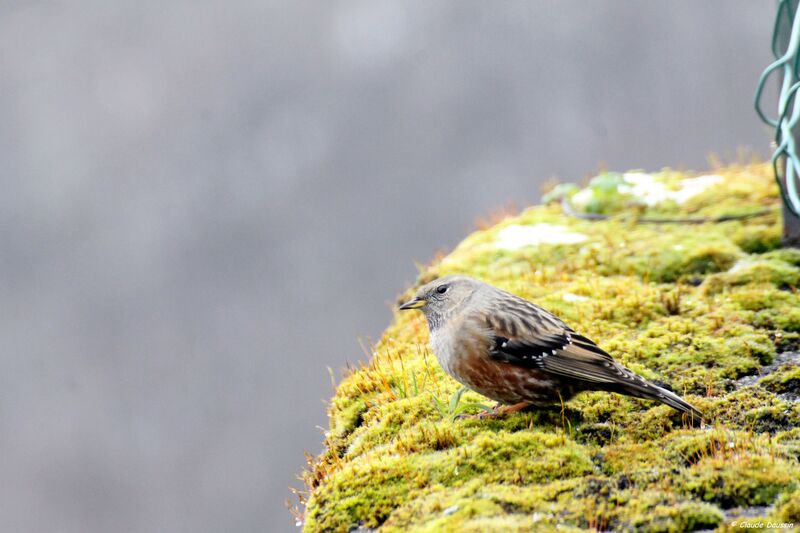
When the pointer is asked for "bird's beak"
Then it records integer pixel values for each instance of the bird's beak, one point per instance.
(416, 303)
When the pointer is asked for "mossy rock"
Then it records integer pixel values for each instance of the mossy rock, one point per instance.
(786, 379)
(711, 309)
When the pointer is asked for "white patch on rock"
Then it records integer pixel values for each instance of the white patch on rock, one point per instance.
(582, 197)
(516, 236)
(652, 191)
(743, 264)
(643, 186)
(694, 186)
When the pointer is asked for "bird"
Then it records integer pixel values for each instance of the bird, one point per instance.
(519, 354)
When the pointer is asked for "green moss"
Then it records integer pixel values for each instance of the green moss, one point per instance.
(599, 503)
(676, 263)
(785, 379)
(785, 511)
(671, 516)
(787, 255)
(758, 482)
(788, 508)
(755, 239)
(788, 319)
(781, 274)
(348, 419)
(704, 308)
(681, 254)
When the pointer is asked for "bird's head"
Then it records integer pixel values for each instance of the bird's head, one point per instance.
(441, 297)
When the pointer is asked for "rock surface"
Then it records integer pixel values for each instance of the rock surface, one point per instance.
(711, 309)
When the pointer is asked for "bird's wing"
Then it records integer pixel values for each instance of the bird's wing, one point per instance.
(527, 335)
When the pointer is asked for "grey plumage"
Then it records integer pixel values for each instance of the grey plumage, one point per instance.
(516, 352)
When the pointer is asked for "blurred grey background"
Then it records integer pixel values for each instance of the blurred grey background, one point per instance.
(205, 204)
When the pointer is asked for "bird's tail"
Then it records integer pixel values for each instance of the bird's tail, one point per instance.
(641, 388)
(676, 402)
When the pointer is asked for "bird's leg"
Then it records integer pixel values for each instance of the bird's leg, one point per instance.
(481, 415)
(498, 410)
(508, 409)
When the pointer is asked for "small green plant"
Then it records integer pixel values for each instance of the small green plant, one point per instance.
(559, 192)
(454, 408)
(607, 193)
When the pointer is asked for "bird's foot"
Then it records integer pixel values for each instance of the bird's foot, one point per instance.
(485, 414)
(495, 412)
(508, 409)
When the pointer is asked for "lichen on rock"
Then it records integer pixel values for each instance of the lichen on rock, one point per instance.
(711, 309)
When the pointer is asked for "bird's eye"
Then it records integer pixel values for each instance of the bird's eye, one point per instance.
(441, 289)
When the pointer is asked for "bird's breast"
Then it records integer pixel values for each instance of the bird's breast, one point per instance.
(462, 349)
(460, 338)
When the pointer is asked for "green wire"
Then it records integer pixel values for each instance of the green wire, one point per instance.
(788, 61)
